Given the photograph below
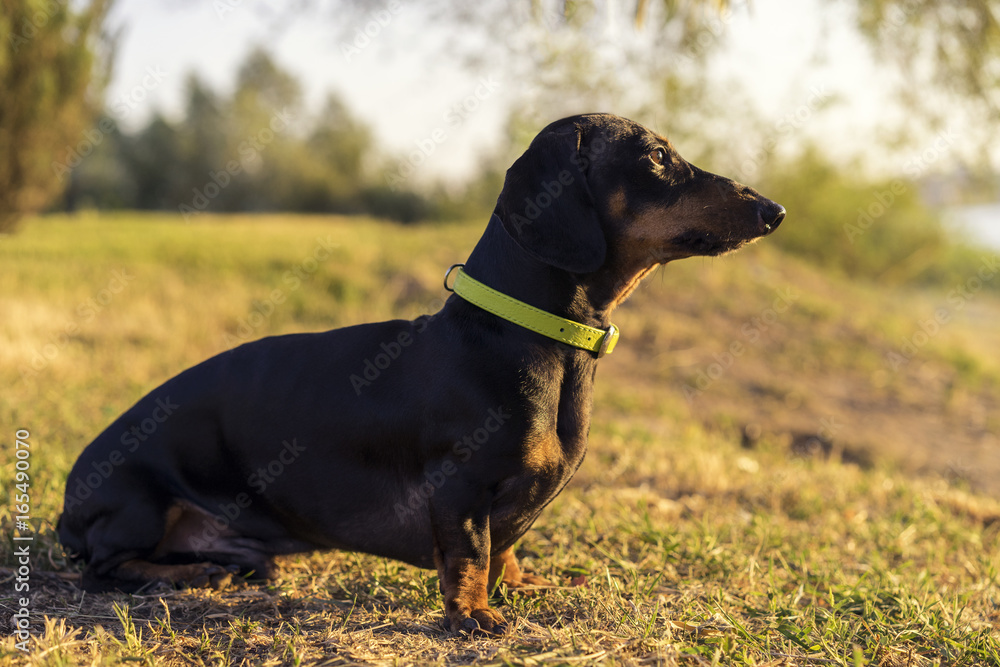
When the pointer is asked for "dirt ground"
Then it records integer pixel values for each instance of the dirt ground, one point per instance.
(817, 377)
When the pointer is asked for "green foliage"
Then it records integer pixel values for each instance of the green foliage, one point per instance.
(951, 44)
(256, 150)
(870, 229)
(46, 75)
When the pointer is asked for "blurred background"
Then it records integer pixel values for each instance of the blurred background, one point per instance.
(412, 110)
(151, 134)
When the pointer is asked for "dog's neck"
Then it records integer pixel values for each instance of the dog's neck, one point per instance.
(499, 262)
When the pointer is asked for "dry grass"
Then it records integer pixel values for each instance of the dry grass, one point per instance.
(676, 543)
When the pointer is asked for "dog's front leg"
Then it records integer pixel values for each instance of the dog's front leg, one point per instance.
(462, 557)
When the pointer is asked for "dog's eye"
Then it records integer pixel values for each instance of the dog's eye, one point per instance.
(658, 156)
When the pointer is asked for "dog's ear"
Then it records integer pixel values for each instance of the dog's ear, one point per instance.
(546, 205)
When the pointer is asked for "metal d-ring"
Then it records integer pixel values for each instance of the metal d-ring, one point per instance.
(448, 273)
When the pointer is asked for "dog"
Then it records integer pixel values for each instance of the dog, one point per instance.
(477, 418)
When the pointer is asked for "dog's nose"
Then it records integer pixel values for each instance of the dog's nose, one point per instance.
(771, 215)
(779, 216)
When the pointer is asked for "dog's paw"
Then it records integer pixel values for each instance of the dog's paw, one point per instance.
(207, 575)
(528, 584)
(487, 622)
(533, 580)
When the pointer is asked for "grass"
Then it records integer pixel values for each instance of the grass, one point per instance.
(694, 534)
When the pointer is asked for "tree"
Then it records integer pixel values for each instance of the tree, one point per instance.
(201, 148)
(103, 179)
(254, 150)
(156, 162)
(337, 148)
(631, 56)
(264, 116)
(50, 96)
(948, 55)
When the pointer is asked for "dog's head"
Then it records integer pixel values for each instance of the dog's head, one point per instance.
(599, 188)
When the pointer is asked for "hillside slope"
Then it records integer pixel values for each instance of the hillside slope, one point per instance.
(762, 342)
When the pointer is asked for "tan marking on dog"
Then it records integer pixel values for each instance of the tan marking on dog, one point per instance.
(194, 575)
(503, 566)
(542, 453)
(630, 287)
(646, 229)
(618, 204)
(188, 529)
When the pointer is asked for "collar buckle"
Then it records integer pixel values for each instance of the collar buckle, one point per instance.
(608, 344)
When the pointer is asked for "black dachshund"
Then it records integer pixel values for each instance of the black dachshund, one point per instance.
(478, 415)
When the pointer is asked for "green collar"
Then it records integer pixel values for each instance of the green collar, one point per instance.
(565, 331)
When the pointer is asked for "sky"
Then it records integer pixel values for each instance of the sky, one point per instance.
(393, 92)
(795, 52)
